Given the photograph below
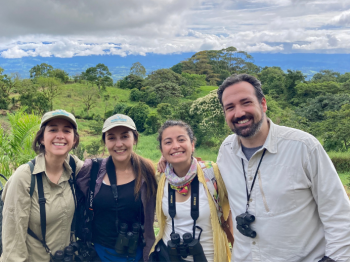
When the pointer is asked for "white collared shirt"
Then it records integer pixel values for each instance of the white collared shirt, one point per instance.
(301, 209)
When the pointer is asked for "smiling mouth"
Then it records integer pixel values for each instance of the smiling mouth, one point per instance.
(177, 153)
(120, 151)
(59, 144)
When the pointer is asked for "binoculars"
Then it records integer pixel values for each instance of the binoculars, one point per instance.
(188, 246)
(85, 253)
(243, 224)
(128, 241)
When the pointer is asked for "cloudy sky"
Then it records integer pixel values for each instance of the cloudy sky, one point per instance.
(66, 28)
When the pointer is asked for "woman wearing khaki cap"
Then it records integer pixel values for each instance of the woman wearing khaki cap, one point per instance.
(124, 196)
(23, 238)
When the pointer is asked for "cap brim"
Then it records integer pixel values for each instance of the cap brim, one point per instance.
(62, 117)
(104, 130)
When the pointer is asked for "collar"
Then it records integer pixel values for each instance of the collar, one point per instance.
(270, 143)
(40, 167)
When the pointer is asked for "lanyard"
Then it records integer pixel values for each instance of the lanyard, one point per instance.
(245, 177)
(194, 204)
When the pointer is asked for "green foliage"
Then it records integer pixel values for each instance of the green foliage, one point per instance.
(96, 127)
(325, 76)
(315, 108)
(50, 88)
(99, 75)
(152, 99)
(138, 69)
(336, 129)
(344, 78)
(60, 74)
(15, 146)
(177, 68)
(119, 108)
(341, 163)
(166, 91)
(273, 82)
(131, 82)
(42, 70)
(93, 148)
(139, 114)
(164, 110)
(162, 76)
(152, 123)
(137, 95)
(79, 151)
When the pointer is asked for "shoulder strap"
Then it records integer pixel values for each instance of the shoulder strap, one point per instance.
(2, 186)
(73, 166)
(113, 180)
(194, 203)
(31, 164)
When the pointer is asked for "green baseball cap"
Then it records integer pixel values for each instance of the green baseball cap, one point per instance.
(118, 120)
(59, 114)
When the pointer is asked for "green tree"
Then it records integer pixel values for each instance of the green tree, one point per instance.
(177, 68)
(325, 76)
(137, 95)
(139, 114)
(42, 70)
(336, 129)
(152, 123)
(292, 79)
(138, 69)
(131, 82)
(164, 110)
(89, 99)
(273, 82)
(99, 75)
(50, 88)
(164, 75)
(60, 74)
(167, 90)
(344, 77)
(8, 84)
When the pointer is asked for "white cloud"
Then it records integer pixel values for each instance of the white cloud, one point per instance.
(81, 28)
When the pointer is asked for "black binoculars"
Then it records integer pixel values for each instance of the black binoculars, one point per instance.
(85, 253)
(128, 241)
(188, 246)
(243, 224)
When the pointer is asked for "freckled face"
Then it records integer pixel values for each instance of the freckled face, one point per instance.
(243, 112)
(177, 147)
(119, 142)
(58, 137)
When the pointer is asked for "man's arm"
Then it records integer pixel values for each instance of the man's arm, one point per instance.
(333, 204)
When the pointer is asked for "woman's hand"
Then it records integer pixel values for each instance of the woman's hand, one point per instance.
(161, 165)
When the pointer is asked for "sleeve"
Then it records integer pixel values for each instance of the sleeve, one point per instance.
(17, 204)
(223, 197)
(83, 177)
(333, 203)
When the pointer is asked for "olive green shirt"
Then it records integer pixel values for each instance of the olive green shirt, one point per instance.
(21, 211)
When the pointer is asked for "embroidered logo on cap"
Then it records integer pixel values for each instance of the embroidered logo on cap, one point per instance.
(60, 112)
(118, 119)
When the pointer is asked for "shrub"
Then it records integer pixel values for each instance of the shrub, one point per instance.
(139, 114)
(93, 148)
(152, 123)
(341, 163)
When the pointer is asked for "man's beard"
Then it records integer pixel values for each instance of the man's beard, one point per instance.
(248, 131)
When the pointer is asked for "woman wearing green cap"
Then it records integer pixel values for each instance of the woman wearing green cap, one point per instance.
(130, 177)
(22, 235)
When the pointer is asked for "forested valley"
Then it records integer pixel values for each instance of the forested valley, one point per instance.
(319, 105)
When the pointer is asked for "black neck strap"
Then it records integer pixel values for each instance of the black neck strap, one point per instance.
(194, 203)
(42, 202)
(245, 177)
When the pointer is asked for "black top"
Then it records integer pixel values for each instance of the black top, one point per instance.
(129, 210)
(249, 151)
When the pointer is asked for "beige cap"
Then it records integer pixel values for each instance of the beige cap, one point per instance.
(118, 120)
(58, 114)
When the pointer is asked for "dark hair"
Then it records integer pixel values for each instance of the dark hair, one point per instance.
(231, 80)
(170, 123)
(144, 170)
(39, 148)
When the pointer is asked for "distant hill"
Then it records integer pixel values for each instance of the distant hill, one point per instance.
(120, 66)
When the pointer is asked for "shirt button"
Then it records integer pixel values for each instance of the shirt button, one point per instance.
(250, 200)
(253, 243)
(250, 178)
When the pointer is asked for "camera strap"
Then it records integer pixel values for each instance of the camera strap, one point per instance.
(42, 202)
(194, 204)
(112, 175)
(245, 177)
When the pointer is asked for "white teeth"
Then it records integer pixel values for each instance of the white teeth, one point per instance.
(119, 151)
(177, 153)
(58, 144)
(243, 121)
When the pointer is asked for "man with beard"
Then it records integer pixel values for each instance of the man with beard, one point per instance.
(283, 189)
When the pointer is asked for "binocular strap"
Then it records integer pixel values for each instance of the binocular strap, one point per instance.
(194, 204)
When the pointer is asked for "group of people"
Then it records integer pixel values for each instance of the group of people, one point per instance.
(273, 188)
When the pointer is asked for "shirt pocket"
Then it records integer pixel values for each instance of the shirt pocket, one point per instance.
(274, 190)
